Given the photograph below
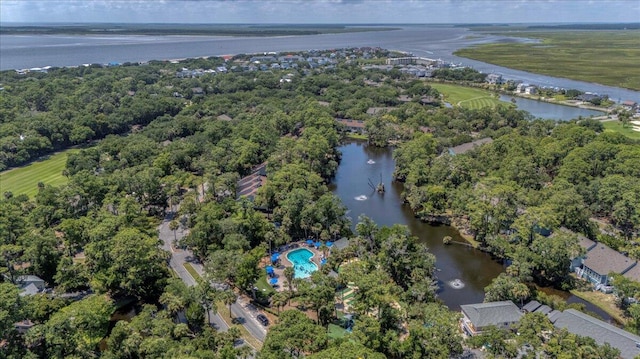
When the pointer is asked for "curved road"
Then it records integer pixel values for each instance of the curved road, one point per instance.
(241, 309)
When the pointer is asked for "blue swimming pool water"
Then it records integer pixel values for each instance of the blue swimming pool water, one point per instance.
(302, 264)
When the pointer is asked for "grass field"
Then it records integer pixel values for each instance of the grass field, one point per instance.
(467, 97)
(24, 180)
(617, 127)
(604, 57)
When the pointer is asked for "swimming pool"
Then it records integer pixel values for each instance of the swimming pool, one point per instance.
(302, 264)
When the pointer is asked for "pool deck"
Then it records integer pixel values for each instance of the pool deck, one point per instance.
(284, 262)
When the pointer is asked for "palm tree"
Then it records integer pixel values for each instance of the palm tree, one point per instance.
(228, 297)
(279, 300)
(174, 225)
(289, 273)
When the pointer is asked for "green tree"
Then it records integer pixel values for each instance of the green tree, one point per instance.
(76, 330)
(294, 335)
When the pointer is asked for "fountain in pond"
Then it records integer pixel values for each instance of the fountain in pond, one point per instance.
(361, 198)
(456, 284)
(371, 162)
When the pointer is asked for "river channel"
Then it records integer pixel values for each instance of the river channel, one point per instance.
(474, 269)
(546, 110)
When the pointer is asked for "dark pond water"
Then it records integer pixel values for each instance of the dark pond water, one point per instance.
(474, 269)
(545, 110)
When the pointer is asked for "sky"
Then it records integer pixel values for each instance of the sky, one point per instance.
(319, 11)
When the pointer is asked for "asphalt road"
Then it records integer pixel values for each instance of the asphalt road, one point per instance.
(242, 309)
(178, 258)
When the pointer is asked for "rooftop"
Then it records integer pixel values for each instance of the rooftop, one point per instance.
(605, 260)
(585, 325)
(466, 147)
(493, 313)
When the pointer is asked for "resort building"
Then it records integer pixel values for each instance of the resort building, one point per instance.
(466, 147)
(600, 261)
(353, 126)
(402, 61)
(584, 325)
(477, 317)
(495, 79)
(248, 186)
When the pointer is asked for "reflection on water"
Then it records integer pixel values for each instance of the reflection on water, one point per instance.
(546, 110)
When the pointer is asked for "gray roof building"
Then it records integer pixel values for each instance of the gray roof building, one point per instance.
(466, 147)
(531, 306)
(633, 273)
(544, 309)
(582, 324)
(341, 243)
(602, 260)
(501, 314)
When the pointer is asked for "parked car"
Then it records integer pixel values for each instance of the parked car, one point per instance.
(263, 319)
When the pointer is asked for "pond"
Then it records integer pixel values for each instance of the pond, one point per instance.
(546, 110)
(462, 271)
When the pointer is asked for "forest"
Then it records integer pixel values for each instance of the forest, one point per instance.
(153, 144)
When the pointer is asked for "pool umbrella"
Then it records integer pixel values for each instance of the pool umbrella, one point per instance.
(273, 281)
(323, 261)
(269, 270)
(310, 242)
(318, 244)
(274, 257)
(329, 243)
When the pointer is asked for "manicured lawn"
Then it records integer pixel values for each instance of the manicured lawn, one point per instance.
(617, 127)
(468, 97)
(604, 57)
(265, 287)
(24, 180)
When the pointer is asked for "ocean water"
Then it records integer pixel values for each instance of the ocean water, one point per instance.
(438, 42)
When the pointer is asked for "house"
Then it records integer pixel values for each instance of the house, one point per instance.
(633, 273)
(224, 117)
(521, 87)
(629, 105)
(353, 126)
(466, 147)
(197, 91)
(531, 306)
(586, 244)
(477, 317)
(341, 243)
(379, 110)
(30, 284)
(495, 79)
(23, 326)
(248, 186)
(584, 325)
(530, 90)
(25, 280)
(602, 260)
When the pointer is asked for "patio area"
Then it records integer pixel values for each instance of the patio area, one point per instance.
(276, 263)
